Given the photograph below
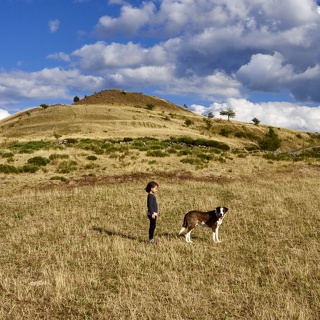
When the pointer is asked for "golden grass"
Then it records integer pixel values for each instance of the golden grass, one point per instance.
(82, 253)
(78, 249)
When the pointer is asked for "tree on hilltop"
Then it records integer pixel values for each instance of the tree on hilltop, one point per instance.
(228, 112)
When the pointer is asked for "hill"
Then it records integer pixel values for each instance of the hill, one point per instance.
(119, 134)
(109, 113)
(117, 114)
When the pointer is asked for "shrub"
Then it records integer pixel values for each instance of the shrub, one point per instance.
(183, 152)
(171, 150)
(246, 135)
(271, 141)
(38, 161)
(6, 154)
(67, 166)
(58, 178)
(150, 106)
(215, 150)
(208, 123)
(91, 166)
(193, 161)
(199, 142)
(55, 156)
(31, 146)
(92, 158)
(311, 153)
(188, 122)
(157, 153)
(71, 140)
(5, 168)
(224, 132)
(277, 157)
(29, 167)
(206, 157)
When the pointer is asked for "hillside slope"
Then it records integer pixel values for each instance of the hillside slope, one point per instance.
(117, 114)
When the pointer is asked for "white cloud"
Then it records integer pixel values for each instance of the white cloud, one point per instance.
(276, 114)
(120, 2)
(131, 20)
(48, 83)
(101, 56)
(269, 45)
(54, 25)
(4, 114)
(60, 56)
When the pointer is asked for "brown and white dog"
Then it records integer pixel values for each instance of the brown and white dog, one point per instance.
(211, 219)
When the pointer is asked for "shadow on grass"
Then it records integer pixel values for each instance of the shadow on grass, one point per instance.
(115, 233)
(171, 235)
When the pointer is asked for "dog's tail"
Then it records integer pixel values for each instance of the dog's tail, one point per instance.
(184, 225)
(185, 222)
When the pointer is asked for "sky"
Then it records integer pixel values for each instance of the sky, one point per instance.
(260, 58)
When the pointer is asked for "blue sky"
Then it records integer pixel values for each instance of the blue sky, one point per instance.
(260, 58)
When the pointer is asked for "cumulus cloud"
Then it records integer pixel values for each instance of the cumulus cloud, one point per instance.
(277, 114)
(131, 20)
(125, 64)
(4, 114)
(101, 56)
(266, 46)
(48, 83)
(54, 25)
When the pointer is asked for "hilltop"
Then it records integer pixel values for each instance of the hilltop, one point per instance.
(124, 98)
(109, 113)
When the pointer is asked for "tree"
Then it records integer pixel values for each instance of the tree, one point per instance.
(228, 112)
(210, 115)
(255, 121)
(271, 141)
(76, 99)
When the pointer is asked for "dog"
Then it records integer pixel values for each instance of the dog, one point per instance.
(212, 219)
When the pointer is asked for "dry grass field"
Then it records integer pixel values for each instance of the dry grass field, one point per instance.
(74, 234)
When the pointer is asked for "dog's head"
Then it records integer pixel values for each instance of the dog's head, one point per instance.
(221, 211)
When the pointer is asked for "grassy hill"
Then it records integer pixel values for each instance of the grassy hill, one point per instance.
(117, 114)
(73, 230)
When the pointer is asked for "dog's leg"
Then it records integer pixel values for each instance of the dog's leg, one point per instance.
(182, 230)
(215, 235)
(188, 234)
(188, 237)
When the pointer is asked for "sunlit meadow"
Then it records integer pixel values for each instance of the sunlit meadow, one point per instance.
(82, 252)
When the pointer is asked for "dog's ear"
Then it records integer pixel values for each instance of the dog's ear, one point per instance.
(225, 209)
(217, 209)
